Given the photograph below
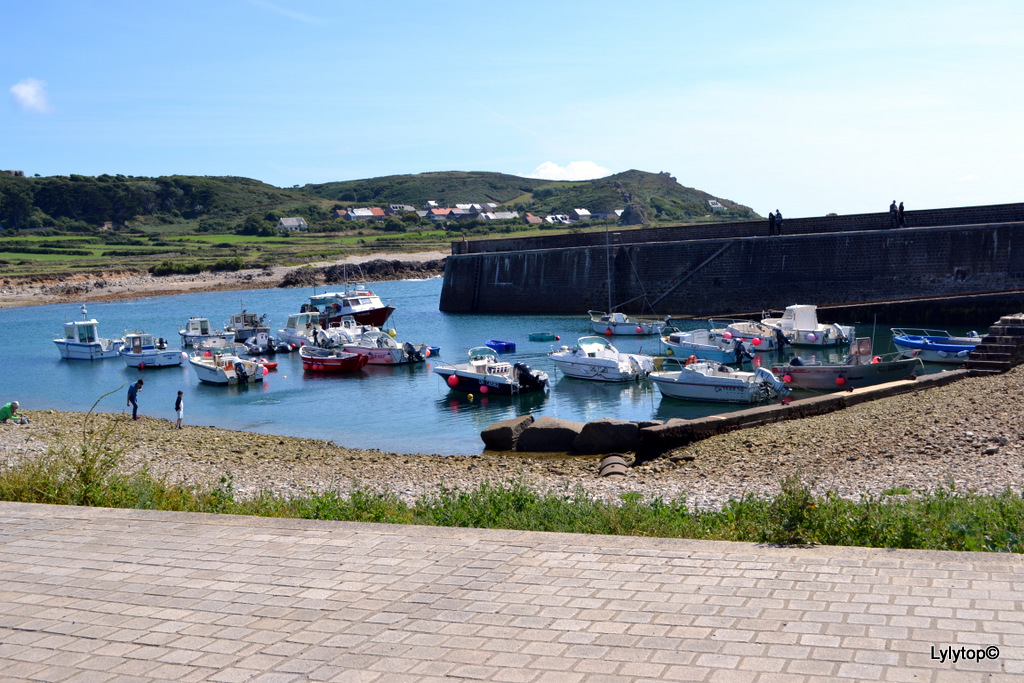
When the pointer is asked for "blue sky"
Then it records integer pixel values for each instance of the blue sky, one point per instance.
(805, 107)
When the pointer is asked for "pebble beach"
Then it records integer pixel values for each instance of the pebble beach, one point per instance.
(968, 434)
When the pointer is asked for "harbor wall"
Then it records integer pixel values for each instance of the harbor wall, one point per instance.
(664, 273)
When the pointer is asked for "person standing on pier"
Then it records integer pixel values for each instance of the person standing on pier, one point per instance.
(771, 223)
(778, 222)
(894, 219)
(899, 216)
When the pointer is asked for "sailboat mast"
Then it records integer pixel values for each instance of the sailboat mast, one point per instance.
(608, 265)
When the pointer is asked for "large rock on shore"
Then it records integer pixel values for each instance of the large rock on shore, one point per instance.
(549, 435)
(504, 435)
(607, 435)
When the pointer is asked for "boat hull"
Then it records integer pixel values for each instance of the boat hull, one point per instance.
(109, 348)
(634, 329)
(696, 388)
(331, 362)
(224, 371)
(152, 359)
(481, 384)
(599, 372)
(839, 377)
(375, 317)
(934, 349)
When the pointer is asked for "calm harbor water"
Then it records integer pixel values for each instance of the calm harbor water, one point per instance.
(404, 409)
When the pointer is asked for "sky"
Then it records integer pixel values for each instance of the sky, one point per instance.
(804, 107)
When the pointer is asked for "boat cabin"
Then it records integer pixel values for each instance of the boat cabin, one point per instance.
(140, 342)
(200, 326)
(244, 320)
(303, 321)
(83, 332)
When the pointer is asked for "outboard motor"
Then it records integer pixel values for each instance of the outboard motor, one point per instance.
(243, 376)
(770, 382)
(529, 379)
(271, 346)
(411, 352)
(780, 338)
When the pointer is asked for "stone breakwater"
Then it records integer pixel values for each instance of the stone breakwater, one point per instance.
(969, 434)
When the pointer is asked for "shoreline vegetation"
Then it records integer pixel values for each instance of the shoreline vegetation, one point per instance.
(939, 469)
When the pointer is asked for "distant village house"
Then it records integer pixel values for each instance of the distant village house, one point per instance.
(292, 224)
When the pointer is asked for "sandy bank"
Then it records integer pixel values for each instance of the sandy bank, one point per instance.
(115, 287)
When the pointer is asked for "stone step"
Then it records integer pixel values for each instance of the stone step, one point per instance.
(973, 364)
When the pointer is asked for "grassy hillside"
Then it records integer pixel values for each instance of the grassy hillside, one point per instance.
(59, 226)
(662, 198)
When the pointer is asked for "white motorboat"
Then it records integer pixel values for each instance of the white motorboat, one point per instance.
(142, 350)
(262, 343)
(935, 346)
(365, 307)
(300, 329)
(704, 380)
(197, 330)
(755, 335)
(380, 348)
(610, 324)
(245, 324)
(217, 368)
(859, 369)
(484, 373)
(706, 345)
(81, 341)
(799, 325)
(595, 358)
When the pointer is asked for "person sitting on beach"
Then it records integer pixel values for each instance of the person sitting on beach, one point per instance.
(11, 411)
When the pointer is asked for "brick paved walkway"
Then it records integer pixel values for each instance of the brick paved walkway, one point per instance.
(119, 595)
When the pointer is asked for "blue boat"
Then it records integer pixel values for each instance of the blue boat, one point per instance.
(501, 346)
(934, 346)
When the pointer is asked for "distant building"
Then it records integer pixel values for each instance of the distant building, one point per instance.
(530, 219)
(399, 209)
(292, 224)
(436, 214)
(558, 218)
(16, 174)
(499, 215)
(340, 213)
(715, 206)
(579, 215)
(369, 213)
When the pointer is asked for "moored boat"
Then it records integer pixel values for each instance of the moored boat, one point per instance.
(800, 327)
(81, 341)
(756, 336)
(299, 329)
(859, 369)
(142, 350)
(596, 359)
(618, 323)
(501, 346)
(705, 380)
(245, 324)
(218, 368)
(935, 346)
(484, 373)
(705, 345)
(365, 307)
(197, 330)
(381, 348)
(330, 360)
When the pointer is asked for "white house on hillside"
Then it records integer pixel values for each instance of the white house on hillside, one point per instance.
(292, 224)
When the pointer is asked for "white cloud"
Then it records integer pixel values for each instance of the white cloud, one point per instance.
(575, 170)
(30, 95)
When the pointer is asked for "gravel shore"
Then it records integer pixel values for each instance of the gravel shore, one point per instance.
(969, 434)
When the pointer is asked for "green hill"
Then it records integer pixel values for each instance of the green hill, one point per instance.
(658, 195)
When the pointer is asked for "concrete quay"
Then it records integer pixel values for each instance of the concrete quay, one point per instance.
(91, 594)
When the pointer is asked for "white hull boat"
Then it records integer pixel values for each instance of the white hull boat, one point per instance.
(610, 324)
(799, 325)
(380, 348)
(706, 345)
(244, 325)
(225, 369)
(717, 383)
(484, 374)
(81, 341)
(596, 359)
(365, 307)
(197, 330)
(935, 346)
(756, 336)
(143, 350)
(859, 369)
(300, 329)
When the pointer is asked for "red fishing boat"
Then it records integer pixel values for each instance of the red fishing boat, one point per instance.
(315, 359)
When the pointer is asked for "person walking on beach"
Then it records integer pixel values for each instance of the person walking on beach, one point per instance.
(179, 408)
(894, 219)
(133, 398)
(899, 216)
